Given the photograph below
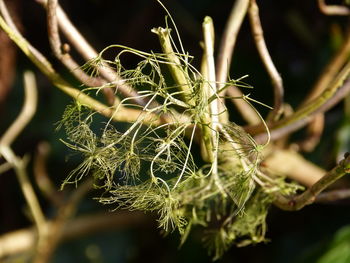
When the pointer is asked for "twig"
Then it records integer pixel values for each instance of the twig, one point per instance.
(55, 233)
(334, 93)
(175, 66)
(331, 70)
(17, 163)
(27, 111)
(224, 58)
(124, 114)
(9, 27)
(65, 58)
(208, 31)
(331, 196)
(41, 176)
(72, 34)
(291, 164)
(315, 128)
(22, 241)
(88, 52)
(260, 43)
(5, 167)
(308, 197)
(4, 12)
(314, 132)
(337, 10)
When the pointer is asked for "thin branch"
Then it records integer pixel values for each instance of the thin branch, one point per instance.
(27, 111)
(72, 34)
(66, 59)
(335, 92)
(331, 196)
(224, 58)
(275, 77)
(308, 197)
(314, 132)
(337, 10)
(175, 66)
(315, 128)
(55, 232)
(52, 28)
(88, 52)
(124, 114)
(22, 241)
(7, 17)
(41, 176)
(291, 164)
(331, 69)
(20, 165)
(5, 167)
(229, 38)
(9, 27)
(208, 31)
(244, 109)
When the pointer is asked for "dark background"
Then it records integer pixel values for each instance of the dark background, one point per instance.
(301, 41)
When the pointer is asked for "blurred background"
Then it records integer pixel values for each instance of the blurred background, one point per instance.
(301, 41)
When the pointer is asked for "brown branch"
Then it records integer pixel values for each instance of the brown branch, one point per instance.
(41, 176)
(65, 58)
(336, 10)
(88, 53)
(275, 77)
(20, 164)
(314, 132)
(334, 195)
(298, 202)
(124, 114)
(47, 247)
(27, 111)
(316, 126)
(331, 69)
(224, 58)
(294, 166)
(22, 241)
(331, 96)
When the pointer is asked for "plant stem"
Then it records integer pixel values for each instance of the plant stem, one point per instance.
(224, 58)
(267, 61)
(175, 66)
(298, 202)
(88, 52)
(337, 10)
(19, 165)
(55, 232)
(41, 176)
(27, 111)
(333, 195)
(124, 114)
(335, 92)
(66, 59)
(23, 240)
(206, 142)
(208, 31)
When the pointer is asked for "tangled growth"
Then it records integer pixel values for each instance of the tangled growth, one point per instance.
(180, 158)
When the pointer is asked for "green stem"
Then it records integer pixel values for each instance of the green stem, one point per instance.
(208, 31)
(298, 202)
(304, 114)
(175, 66)
(125, 114)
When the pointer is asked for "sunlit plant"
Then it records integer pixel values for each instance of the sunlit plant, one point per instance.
(150, 165)
(160, 138)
